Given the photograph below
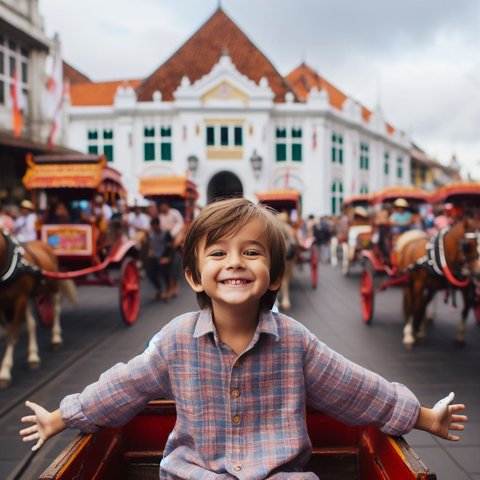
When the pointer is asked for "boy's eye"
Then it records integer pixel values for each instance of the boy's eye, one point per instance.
(251, 253)
(216, 253)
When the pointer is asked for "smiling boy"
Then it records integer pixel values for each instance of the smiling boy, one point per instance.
(241, 375)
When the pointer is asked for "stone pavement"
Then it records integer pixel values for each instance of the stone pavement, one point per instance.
(332, 312)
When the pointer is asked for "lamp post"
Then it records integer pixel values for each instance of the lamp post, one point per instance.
(256, 162)
(192, 162)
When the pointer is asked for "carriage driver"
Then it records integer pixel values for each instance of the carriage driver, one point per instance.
(240, 374)
(401, 218)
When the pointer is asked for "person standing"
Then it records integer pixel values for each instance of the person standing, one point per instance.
(25, 228)
(172, 221)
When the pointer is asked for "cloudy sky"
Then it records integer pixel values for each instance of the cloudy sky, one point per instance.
(418, 59)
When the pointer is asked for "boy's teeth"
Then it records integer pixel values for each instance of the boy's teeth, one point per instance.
(234, 282)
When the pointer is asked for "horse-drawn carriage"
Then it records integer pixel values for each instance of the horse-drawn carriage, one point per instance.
(356, 234)
(89, 249)
(380, 260)
(134, 451)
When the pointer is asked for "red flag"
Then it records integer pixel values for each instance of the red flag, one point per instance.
(17, 104)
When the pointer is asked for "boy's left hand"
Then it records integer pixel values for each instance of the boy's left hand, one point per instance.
(445, 418)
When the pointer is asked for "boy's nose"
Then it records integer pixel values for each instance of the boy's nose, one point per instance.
(235, 260)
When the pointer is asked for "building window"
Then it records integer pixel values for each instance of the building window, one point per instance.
(364, 156)
(337, 148)
(224, 136)
(157, 143)
(386, 163)
(100, 142)
(399, 167)
(364, 190)
(288, 144)
(13, 58)
(337, 197)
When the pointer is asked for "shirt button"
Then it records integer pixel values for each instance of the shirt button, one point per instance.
(236, 419)
(237, 468)
(235, 393)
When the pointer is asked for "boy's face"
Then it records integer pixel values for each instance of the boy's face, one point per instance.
(235, 270)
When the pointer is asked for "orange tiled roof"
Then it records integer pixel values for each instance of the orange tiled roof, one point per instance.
(304, 78)
(196, 57)
(98, 93)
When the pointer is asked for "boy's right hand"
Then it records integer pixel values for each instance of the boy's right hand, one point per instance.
(46, 425)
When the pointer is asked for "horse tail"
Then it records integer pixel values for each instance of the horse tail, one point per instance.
(69, 290)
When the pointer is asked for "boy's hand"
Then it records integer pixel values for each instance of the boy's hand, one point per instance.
(46, 425)
(442, 418)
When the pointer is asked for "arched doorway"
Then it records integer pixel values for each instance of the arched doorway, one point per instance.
(224, 184)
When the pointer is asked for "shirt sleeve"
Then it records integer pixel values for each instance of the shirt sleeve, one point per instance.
(355, 395)
(120, 392)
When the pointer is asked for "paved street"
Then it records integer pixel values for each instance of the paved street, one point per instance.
(431, 370)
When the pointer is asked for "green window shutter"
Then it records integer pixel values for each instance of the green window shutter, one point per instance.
(108, 152)
(297, 152)
(281, 133)
(334, 205)
(166, 132)
(281, 152)
(166, 151)
(149, 151)
(334, 154)
(210, 136)
(340, 156)
(224, 136)
(149, 131)
(108, 134)
(296, 133)
(93, 149)
(93, 135)
(238, 134)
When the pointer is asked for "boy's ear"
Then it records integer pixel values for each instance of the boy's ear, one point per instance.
(274, 286)
(195, 286)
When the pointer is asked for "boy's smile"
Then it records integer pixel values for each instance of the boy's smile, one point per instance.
(235, 270)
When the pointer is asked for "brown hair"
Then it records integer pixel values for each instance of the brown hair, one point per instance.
(223, 219)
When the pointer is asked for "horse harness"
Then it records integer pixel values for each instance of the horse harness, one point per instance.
(435, 261)
(15, 263)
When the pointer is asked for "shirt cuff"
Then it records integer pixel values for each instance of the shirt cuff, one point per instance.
(73, 416)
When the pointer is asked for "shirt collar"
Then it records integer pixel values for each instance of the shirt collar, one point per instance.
(267, 324)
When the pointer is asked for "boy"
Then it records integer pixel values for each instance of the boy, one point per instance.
(240, 374)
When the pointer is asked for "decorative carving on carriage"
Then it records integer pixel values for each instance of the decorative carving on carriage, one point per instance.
(91, 249)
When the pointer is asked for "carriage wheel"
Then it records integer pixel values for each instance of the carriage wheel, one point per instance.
(314, 265)
(129, 291)
(367, 294)
(345, 259)
(43, 303)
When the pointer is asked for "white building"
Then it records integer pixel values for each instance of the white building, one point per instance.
(219, 101)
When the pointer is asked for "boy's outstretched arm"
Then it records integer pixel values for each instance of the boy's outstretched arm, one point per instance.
(45, 425)
(442, 418)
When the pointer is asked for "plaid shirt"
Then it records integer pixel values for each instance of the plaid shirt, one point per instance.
(241, 417)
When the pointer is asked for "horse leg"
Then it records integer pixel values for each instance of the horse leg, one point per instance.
(408, 337)
(333, 251)
(33, 358)
(56, 340)
(13, 331)
(468, 294)
(420, 313)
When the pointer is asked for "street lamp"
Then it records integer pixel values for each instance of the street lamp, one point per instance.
(256, 161)
(192, 162)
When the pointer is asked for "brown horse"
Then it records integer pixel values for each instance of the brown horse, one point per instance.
(20, 280)
(448, 261)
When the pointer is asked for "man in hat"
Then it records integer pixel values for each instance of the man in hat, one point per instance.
(401, 218)
(26, 223)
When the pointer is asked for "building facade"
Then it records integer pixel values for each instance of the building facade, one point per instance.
(25, 51)
(218, 111)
